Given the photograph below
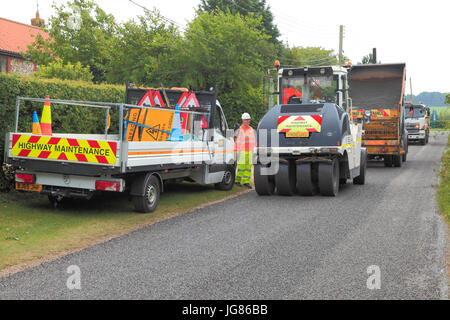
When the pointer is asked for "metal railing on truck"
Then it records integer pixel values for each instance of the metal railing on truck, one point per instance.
(107, 106)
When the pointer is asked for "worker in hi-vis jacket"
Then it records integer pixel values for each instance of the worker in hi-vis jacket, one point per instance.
(245, 142)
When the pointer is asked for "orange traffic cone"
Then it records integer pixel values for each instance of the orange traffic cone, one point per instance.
(46, 119)
(36, 125)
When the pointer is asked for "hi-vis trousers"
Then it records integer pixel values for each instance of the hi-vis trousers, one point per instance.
(244, 167)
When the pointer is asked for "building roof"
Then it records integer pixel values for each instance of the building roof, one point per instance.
(16, 36)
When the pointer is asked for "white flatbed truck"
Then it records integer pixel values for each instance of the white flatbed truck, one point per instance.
(78, 165)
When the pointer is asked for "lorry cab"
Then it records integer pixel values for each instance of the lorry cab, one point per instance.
(417, 122)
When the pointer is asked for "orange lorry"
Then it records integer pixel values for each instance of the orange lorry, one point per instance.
(377, 92)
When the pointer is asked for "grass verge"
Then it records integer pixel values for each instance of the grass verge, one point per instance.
(32, 232)
(444, 185)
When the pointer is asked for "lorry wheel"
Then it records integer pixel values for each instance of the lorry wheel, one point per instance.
(264, 184)
(361, 179)
(305, 185)
(422, 142)
(388, 161)
(285, 179)
(397, 160)
(228, 179)
(329, 178)
(149, 201)
(406, 147)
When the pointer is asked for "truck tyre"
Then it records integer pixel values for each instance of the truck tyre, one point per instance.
(149, 201)
(397, 160)
(361, 179)
(264, 184)
(405, 155)
(285, 179)
(329, 178)
(388, 161)
(305, 185)
(422, 142)
(228, 179)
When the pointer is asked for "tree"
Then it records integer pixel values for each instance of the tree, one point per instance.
(58, 69)
(368, 59)
(309, 56)
(81, 32)
(447, 99)
(144, 52)
(225, 49)
(228, 51)
(255, 8)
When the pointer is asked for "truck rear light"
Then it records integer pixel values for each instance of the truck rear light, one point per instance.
(25, 178)
(107, 185)
(383, 150)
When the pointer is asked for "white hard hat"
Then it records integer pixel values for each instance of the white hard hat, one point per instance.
(245, 116)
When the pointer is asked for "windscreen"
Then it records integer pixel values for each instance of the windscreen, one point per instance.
(309, 89)
(415, 112)
(376, 86)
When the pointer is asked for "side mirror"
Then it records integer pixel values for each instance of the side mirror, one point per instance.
(367, 115)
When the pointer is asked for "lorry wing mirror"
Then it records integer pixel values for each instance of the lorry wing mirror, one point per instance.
(367, 115)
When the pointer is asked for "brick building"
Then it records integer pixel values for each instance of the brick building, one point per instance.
(14, 39)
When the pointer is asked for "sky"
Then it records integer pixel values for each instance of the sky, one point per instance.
(414, 32)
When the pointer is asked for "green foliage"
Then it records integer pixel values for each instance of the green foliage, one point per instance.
(368, 59)
(59, 70)
(81, 32)
(255, 8)
(65, 119)
(225, 50)
(309, 56)
(143, 52)
(444, 183)
(230, 52)
(447, 99)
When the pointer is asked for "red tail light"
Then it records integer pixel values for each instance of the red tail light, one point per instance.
(383, 150)
(25, 178)
(107, 185)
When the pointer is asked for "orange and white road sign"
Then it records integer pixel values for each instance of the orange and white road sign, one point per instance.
(293, 125)
(64, 149)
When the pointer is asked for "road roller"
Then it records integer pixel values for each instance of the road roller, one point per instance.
(308, 143)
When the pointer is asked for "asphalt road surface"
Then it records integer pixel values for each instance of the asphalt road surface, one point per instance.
(276, 247)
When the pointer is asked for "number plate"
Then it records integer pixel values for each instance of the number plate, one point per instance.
(297, 134)
(28, 187)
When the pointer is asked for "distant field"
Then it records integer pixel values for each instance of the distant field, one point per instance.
(443, 114)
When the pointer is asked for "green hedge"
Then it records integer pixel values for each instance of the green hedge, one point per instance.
(64, 118)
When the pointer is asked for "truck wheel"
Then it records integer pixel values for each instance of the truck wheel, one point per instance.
(329, 178)
(422, 142)
(397, 160)
(405, 155)
(361, 179)
(388, 161)
(305, 185)
(228, 179)
(285, 179)
(149, 201)
(264, 184)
